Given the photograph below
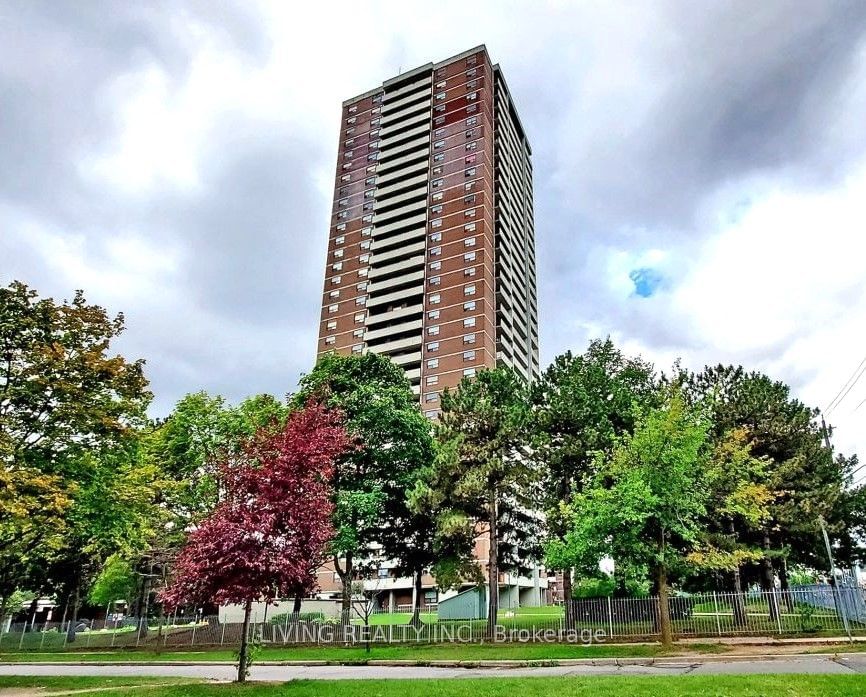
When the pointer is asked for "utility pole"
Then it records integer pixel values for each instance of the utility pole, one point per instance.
(840, 601)
(826, 435)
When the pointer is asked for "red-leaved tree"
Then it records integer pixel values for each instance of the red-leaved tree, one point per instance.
(266, 537)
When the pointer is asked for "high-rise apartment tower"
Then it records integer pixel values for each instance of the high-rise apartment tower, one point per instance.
(431, 258)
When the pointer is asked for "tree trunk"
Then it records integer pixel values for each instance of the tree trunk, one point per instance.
(70, 630)
(245, 644)
(145, 609)
(665, 629)
(296, 608)
(768, 584)
(785, 585)
(567, 600)
(493, 567)
(419, 589)
(738, 603)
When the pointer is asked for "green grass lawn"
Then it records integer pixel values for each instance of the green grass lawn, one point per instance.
(54, 684)
(421, 653)
(651, 686)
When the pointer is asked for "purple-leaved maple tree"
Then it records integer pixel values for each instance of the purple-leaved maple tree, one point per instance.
(267, 536)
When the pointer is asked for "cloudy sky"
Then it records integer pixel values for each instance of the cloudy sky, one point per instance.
(700, 174)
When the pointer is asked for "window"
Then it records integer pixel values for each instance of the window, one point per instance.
(472, 108)
(469, 355)
(471, 61)
(469, 200)
(432, 380)
(347, 155)
(433, 346)
(352, 119)
(336, 280)
(433, 363)
(433, 314)
(431, 397)
(472, 96)
(431, 414)
(342, 215)
(348, 142)
(357, 348)
(438, 144)
(469, 372)
(472, 121)
(469, 290)
(365, 244)
(434, 299)
(366, 232)
(369, 181)
(470, 159)
(437, 183)
(469, 338)
(372, 156)
(338, 266)
(472, 72)
(368, 206)
(332, 324)
(345, 177)
(471, 85)
(353, 108)
(470, 172)
(350, 130)
(469, 272)
(435, 236)
(377, 99)
(436, 223)
(469, 322)
(439, 109)
(363, 272)
(384, 573)
(371, 169)
(339, 239)
(359, 317)
(358, 333)
(341, 227)
(434, 280)
(364, 258)
(435, 251)
(469, 242)
(362, 286)
(470, 133)
(438, 157)
(469, 306)
(468, 186)
(440, 85)
(440, 96)
(332, 308)
(437, 196)
(369, 193)
(469, 227)
(330, 339)
(436, 209)
(471, 146)
(435, 265)
(438, 132)
(361, 300)
(440, 72)
(334, 294)
(469, 256)
(375, 144)
(347, 165)
(439, 120)
(367, 218)
(469, 213)
(437, 170)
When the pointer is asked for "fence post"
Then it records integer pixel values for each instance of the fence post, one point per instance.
(716, 607)
(223, 633)
(21, 642)
(610, 616)
(2, 630)
(778, 609)
(194, 625)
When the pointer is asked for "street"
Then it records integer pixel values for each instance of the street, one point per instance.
(841, 665)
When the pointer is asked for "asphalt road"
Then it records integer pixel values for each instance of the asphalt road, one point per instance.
(846, 665)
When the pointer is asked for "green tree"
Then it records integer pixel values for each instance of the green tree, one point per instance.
(393, 444)
(646, 505)
(484, 479)
(582, 405)
(116, 581)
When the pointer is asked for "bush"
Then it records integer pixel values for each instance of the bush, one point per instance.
(301, 617)
(593, 588)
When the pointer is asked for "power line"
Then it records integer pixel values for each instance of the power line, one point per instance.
(859, 405)
(847, 387)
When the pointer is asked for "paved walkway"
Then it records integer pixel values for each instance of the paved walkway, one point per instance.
(841, 665)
